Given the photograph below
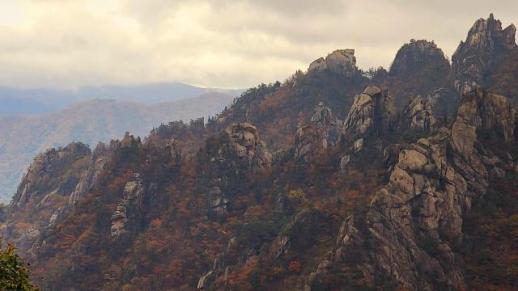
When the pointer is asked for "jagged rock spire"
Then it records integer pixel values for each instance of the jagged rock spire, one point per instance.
(486, 41)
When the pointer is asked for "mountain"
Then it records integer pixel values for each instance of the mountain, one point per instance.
(418, 68)
(89, 122)
(336, 179)
(36, 101)
(487, 58)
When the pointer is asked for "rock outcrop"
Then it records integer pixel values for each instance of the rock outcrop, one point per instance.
(372, 114)
(315, 138)
(417, 57)
(232, 155)
(41, 175)
(44, 192)
(245, 142)
(418, 117)
(445, 102)
(371, 117)
(483, 113)
(414, 223)
(342, 62)
(131, 198)
(474, 57)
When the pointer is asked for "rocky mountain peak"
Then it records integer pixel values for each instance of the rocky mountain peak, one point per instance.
(487, 34)
(418, 68)
(485, 43)
(46, 166)
(416, 56)
(341, 62)
(408, 217)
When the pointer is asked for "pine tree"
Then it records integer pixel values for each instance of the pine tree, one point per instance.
(13, 271)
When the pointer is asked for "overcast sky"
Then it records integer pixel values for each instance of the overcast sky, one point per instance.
(215, 43)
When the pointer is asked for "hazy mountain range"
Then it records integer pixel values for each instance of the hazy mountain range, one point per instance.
(32, 101)
(24, 135)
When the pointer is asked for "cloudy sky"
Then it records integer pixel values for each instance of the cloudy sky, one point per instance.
(215, 43)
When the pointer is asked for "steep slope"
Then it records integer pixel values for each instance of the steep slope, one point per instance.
(415, 222)
(88, 122)
(252, 216)
(487, 49)
(419, 68)
(278, 109)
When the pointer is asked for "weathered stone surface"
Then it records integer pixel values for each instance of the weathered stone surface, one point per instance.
(314, 139)
(486, 41)
(444, 102)
(131, 198)
(230, 157)
(318, 65)
(418, 116)
(247, 145)
(372, 113)
(482, 111)
(45, 167)
(415, 221)
(342, 62)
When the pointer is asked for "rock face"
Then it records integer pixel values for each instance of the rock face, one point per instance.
(131, 197)
(52, 187)
(485, 43)
(342, 62)
(482, 112)
(43, 194)
(232, 155)
(315, 138)
(244, 139)
(418, 116)
(40, 177)
(445, 102)
(415, 221)
(372, 113)
(302, 231)
(90, 176)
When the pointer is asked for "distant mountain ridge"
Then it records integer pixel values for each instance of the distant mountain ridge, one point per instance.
(89, 122)
(36, 101)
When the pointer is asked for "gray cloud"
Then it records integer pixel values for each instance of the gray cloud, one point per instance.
(220, 43)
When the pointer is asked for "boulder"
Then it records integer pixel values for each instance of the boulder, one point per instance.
(341, 62)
